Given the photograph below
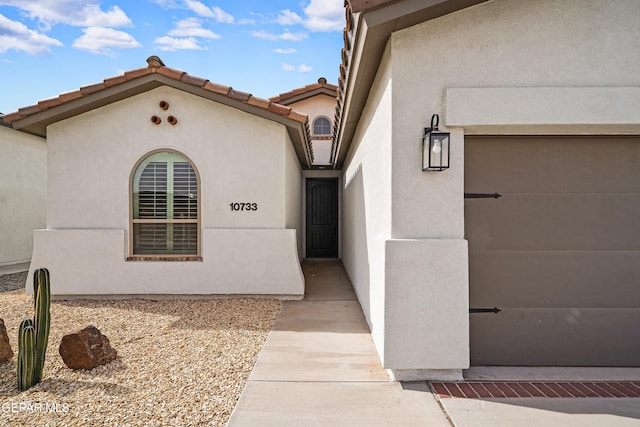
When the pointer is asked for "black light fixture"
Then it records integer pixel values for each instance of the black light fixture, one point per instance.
(435, 147)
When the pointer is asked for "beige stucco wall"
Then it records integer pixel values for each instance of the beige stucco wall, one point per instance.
(293, 194)
(23, 173)
(367, 211)
(502, 49)
(240, 158)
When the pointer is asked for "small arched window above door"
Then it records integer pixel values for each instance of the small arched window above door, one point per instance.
(321, 126)
(165, 208)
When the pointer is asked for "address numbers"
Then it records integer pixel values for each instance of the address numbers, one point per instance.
(243, 206)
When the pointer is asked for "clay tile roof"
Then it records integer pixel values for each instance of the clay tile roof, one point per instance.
(307, 91)
(157, 66)
(93, 98)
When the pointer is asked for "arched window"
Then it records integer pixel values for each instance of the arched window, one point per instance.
(165, 210)
(321, 126)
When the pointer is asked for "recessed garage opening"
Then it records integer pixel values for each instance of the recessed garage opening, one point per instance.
(558, 253)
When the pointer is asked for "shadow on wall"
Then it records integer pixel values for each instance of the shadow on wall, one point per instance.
(355, 247)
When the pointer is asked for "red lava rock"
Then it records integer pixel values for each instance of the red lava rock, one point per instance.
(6, 352)
(86, 349)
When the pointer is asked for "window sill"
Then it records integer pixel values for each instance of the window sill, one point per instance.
(164, 258)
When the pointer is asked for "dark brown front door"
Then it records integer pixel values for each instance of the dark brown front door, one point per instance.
(322, 218)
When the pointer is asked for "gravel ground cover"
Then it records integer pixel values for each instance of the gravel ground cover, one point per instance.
(180, 362)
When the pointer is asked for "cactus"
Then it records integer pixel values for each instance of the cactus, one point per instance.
(33, 335)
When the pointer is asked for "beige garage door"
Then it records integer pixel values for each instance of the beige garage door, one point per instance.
(558, 253)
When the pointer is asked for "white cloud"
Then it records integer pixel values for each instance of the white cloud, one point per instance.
(325, 15)
(15, 35)
(287, 17)
(287, 35)
(82, 13)
(192, 27)
(209, 12)
(264, 35)
(102, 40)
(292, 37)
(303, 68)
(172, 44)
(284, 51)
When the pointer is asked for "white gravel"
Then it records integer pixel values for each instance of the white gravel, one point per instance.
(180, 363)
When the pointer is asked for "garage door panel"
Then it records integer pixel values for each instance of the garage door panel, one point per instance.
(559, 252)
(554, 222)
(547, 279)
(556, 337)
(552, 164)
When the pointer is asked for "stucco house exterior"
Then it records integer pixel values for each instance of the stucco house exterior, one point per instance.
(542, 101)
(23, 183)
(525, 250)
(159, 181)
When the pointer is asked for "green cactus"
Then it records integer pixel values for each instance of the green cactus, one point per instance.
(33, 335)
(26, 341)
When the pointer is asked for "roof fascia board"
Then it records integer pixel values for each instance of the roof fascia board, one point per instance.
(37, 123)
(397, 10)
(310, 94)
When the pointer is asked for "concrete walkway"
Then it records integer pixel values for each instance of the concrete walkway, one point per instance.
(319, 367)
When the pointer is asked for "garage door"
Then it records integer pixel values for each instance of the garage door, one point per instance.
(558, 253)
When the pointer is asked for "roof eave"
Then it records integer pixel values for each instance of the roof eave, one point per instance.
(375, 21)
(296, 123)
(301, 97)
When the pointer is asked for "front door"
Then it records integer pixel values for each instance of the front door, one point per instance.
(322, 218)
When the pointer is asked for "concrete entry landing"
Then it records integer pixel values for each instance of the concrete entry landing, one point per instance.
(319, 366)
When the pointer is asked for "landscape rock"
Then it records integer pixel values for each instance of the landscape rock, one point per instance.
(6, 352)
(86, 349)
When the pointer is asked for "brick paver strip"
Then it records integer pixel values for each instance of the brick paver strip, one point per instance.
(454, 390)
(508, 391)
(481, 390)
(533, 390)
(622, 389)
(519, 388)
(588, 391)
(468, 390)
(441, 390)
(633, 390)
(600, 390)
(612, 390)
(557, 388)
(573, 389)
(548, 389)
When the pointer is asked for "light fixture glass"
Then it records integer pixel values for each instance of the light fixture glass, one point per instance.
(435, 147)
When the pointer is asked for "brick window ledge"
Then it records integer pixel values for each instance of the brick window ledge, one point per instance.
(164, 258)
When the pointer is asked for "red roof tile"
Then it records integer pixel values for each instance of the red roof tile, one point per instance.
(156, 66)
(171, 73)
(310, 90)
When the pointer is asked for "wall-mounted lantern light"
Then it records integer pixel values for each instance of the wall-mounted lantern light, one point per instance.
(435, 147)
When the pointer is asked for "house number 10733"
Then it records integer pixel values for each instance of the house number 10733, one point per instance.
(243, 206)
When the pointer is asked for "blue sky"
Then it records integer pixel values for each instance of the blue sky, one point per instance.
(48, 47)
